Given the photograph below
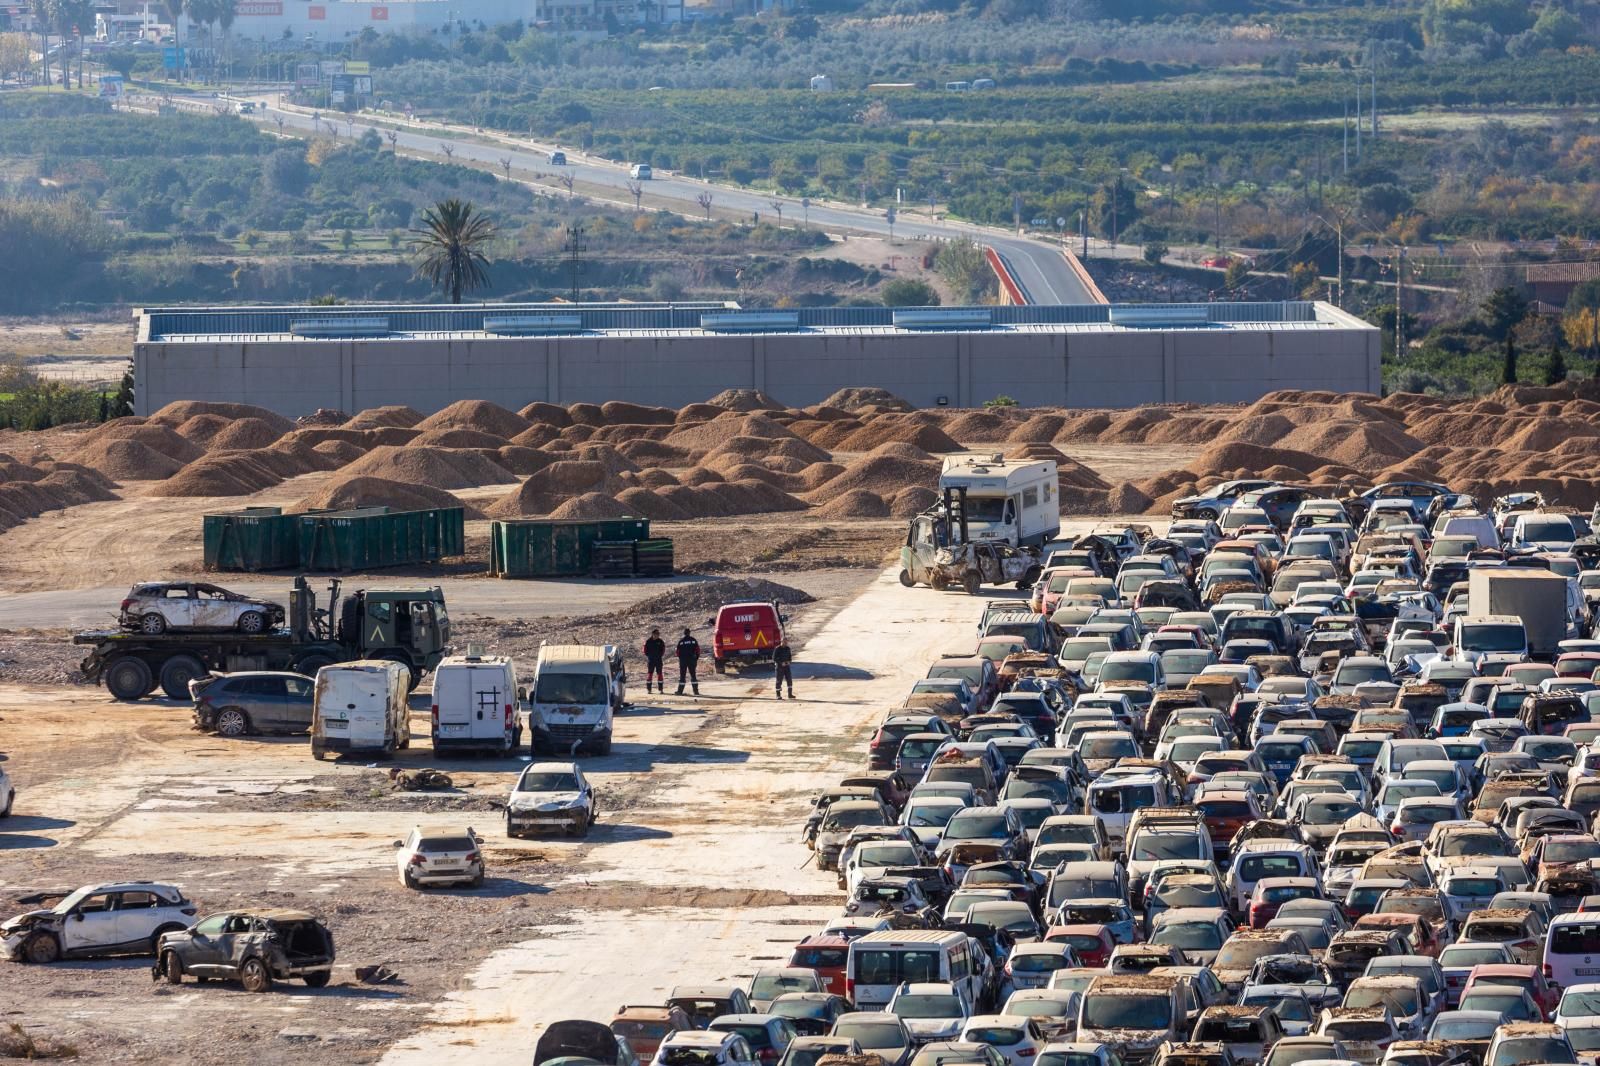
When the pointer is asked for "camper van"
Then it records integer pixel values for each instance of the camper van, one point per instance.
(574, 697)
(475, 704)
(360, 707)
(1011, 502)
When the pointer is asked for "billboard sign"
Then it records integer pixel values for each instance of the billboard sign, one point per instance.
(380, 14)
(357, 66)
(362, 84)
(111, 86)
(257, 8)
(173, 57)
(307, 76)
(317, 13)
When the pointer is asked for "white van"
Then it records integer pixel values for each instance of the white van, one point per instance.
(361, 707)
(475, 704)
(640, 172)
(1572, 950)
(1260, 859)
(879, 963)
(573, 700)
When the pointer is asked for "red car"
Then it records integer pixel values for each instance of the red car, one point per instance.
(1092, 944)
(1517, 975)
(745, 633)
(1225, 813)
(826, 955)
(1273, 892)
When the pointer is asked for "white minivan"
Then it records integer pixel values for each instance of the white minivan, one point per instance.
(881, 962)
(361, 707)
(1572, 950)
(573, 701)
(475, 704)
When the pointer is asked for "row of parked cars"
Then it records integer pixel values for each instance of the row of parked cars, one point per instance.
(1234, 794)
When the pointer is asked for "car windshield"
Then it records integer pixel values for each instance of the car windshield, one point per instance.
(1401, 1002)
(1189, 896)
(928, 1006)
(850, 819)
(1576, 1004)
(1126, 1011)
(1465, 955)
(1152, 846)
(550, 781)
(1494, 638)
(432, 845)
(1191, 936)
(998, 1035)
(1570, 850)
(930, 815)
(1082, 647)
(689, 1056)
(974, 825)
(1241, 954)
(1329, 810)
(1491, 999)
(1473, 887)
(572, 688)
(1357, 1031)
(1255, 867)
(1127, 671)
(1396, 791)
(893, 854)
(870, 1033)
(1108, 746)
(1463, 1029)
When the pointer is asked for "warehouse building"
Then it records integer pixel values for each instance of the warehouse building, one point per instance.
(297, 359)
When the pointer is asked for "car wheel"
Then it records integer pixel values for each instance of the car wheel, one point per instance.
(41, 948)
(177, 672)
(172, 966)
(907, 580)
(970, 582)
(128, 678)
(254, 976)
(937, 583)
(252, 622)
(232, 722)
(311, 664)
(11, 798)
(477, 880)
(407, 880)
(152, 624)
(318, 979)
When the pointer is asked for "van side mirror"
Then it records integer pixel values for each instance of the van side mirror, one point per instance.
(711, 621)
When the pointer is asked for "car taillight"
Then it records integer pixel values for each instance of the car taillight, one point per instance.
(419, 860)
(767, 1054)
(508, 716)
(1026, 1053)
(850, 989)
(126, 604)
(1549, 974)
(472, 856)
(435, 716)
(1398, 830)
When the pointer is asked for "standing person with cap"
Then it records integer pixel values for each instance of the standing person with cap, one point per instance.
(783, 666)
(655, 653)
(688, 659)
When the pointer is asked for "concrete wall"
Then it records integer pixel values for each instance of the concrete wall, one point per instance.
(1090, 368)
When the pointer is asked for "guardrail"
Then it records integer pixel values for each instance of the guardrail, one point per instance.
(1084, 279)
(1010, 291)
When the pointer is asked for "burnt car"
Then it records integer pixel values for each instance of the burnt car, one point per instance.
(254, 948)
(158, 606)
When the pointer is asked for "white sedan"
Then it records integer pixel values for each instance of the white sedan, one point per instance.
(1019, 1039)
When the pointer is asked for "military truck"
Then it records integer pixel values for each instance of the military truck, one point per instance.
(407, 625)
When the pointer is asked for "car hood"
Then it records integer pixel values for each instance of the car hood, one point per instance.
(932, 1028)
(543, 801)
(1191, 500)
(24, 919)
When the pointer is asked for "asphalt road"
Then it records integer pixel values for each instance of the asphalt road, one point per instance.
(1039, 268)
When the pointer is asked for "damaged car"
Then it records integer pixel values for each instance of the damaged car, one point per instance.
(114, 919)
(254, 948)
(550, 794)
(161, 606)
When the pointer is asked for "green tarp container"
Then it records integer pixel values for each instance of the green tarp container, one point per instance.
(544, 547)
(256, 538)
(371, 537)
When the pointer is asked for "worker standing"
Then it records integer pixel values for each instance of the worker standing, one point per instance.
(783, 667)
(688, 659)
(655, 653)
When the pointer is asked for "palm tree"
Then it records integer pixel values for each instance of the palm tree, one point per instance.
(449, 247)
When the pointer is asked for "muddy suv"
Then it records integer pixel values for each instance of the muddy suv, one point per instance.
(254, 948)
(114, 919)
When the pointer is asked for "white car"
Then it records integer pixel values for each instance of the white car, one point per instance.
(550, 794)
(112, 919)
(158, 606)
(439, 857)
(1018, 1039)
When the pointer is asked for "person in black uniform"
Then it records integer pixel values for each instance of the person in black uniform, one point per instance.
(688, 659)
(655, 653)
(783, 667)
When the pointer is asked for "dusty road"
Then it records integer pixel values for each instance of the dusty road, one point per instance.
(694, 873)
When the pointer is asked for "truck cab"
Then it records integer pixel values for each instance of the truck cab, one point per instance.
(1011, 502)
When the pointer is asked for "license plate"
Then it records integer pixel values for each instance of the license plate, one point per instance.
(1582, 972)
(452, 730)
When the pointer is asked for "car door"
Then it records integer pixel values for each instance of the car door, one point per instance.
(92, 925)
(175, 603)
(137, 916)
(297, 704)
(207, 952)
(213, 609)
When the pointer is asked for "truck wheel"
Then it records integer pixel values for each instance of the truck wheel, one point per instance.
(604, 747)
(254, 976)
(232, 722)
(310, 664)
(907, 580)
(970, 582)
(252, 622)
(177, 672)
(128, 678)
(153, 624)
(318, 753)
(937, 583)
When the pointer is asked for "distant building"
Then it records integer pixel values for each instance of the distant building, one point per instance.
(1553, 282)
(821, 83)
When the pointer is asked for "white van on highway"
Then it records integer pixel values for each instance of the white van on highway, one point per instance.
(475, 704)
(361, 707)
(573, 701)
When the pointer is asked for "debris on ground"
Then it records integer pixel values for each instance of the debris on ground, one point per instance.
(424, 780)
(376, 975)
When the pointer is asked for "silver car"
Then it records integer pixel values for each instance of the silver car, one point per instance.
(550, 794)
(159, 606)
(439, 857)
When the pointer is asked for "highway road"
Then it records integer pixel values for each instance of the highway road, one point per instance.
(1040, 269)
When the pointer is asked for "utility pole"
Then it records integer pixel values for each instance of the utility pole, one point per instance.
(1358, 118)
(1399, 304)
(1373, 110)
(1116, 193)
(1083, 231)
(574, 249)
(1347, 137)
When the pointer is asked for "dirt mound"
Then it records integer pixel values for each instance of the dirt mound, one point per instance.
(618, 413)
(707, 436)
(126, 460)
(592, 506)
(1264, 430)
(1186, 429)
(902, 450)
(394, 416)
(608, 456)
(180, 411)
(443, 468)
(853, 399)
(549, 414)
(1039, 427)
(458, 437)
(857, 503)
(1086, 502)
(881, 475)
(886, 429)
(655, 452)
(153, 435)
(701, 475)
(698, 412)
(701, 596)
(586, 414)
(911, 501)
(1130, 427)
(648, 503)
(537, 435)
(745, 400)
(350, 492)
(755, 449)
(549, 488)
(823, 413)
(1545, 434)
(221, 474)
(245, 433)
(1127, 498)
(818, 474)
(1228, 456)
(341, 452)
(830, 435)
(201, 428)
(520, 460)
(1084, 427)
(480, 415)
(970, 427)
(1367, 446)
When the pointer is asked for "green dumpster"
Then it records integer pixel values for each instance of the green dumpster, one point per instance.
(544, 547)
(372, 537)
(255, 538)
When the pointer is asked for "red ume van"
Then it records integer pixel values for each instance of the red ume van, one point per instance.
(745, 633)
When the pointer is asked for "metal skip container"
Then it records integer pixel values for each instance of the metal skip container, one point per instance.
(543, 547)
(372, 537)
(255, 538)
